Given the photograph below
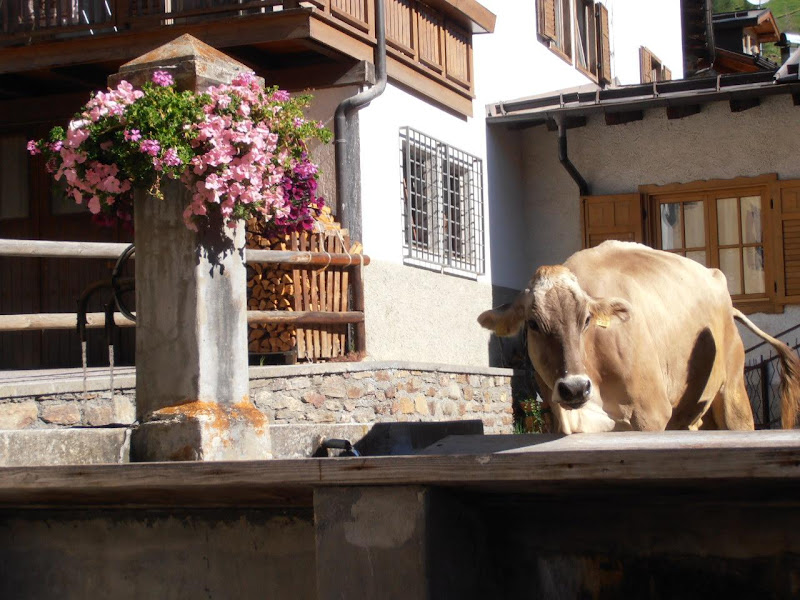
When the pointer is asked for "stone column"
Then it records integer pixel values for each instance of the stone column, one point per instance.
(192, 384)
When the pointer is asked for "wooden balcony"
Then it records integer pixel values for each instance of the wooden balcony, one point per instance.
(73, 45)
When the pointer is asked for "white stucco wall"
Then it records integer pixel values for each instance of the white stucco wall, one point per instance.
(417, 314)
(715, 144)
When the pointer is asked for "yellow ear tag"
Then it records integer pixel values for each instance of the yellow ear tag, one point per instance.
(602, 321)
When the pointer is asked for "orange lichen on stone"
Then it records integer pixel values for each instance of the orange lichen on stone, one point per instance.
(219, 417)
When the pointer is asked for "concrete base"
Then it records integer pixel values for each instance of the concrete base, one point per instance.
(40, 447)
(203, 431)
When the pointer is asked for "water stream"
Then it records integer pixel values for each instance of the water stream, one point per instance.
(111, 368)
(83, 360)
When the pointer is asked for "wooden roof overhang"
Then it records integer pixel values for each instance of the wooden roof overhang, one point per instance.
(295, 48)
(762, 23)
(728, 61)
(680, 98)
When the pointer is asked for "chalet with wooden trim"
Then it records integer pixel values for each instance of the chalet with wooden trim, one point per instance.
(428, 172)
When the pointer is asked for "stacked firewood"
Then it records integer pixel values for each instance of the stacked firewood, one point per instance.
(270, 288)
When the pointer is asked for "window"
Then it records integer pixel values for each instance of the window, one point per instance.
(651, 68)
(748, 227)
(578, 31)
(554, 21)
(442, 194)
(585, 36)
(734, 244)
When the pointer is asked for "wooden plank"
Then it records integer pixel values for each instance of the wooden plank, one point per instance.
(307, 317)
(297, 282)
(47, 249)
(703, 459)
(336, 303)
(315, 291)
(42, 321)
(219, 33)
(305, 256)
(344, 299)
(325, 347)
(328, 276)
(307, 298)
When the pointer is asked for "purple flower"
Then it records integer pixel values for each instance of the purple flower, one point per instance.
(33, 148)
(151, 147)
(163, 78)
(56, 146)
(134, 135)
(171, 158)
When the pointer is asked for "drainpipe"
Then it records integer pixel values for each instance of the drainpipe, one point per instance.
(564, 159)
(348, 168)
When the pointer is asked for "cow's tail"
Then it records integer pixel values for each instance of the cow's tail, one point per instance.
(790, 366)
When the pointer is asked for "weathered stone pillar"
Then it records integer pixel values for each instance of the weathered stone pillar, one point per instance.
(192, 382)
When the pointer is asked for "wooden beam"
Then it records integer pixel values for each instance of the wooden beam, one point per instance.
(54, 321)
(47, 249)
(304, 317)
(569, 123)
(529, 463)
(620, 118)
(682, 110)
(322, 75)
(742, 104)
(222, 33)
(316, 259)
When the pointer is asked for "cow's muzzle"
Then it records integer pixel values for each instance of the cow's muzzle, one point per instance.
(573, 390)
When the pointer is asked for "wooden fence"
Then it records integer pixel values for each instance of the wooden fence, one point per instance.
(328, 294)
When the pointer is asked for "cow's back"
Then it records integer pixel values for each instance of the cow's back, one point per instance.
(676, 303)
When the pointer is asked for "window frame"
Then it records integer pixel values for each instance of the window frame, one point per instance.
(564, 41)
(560, 43)
(710, 191)
(590, 26)
(452, 185)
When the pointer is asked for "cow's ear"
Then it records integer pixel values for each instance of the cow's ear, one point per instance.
(606, 310)
(504, 320)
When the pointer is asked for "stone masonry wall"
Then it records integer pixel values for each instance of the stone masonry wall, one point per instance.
(387, 395)
(333, 393)
(54, 410)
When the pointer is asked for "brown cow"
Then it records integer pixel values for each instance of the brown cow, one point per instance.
(626, 337)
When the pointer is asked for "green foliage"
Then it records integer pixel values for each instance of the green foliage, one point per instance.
(531, 418)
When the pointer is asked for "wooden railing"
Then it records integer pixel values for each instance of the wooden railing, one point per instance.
(416, 33)
(292, 259)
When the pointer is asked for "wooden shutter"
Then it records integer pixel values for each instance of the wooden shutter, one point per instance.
(603, 44)
(614, 217)
(645, 65)
(666, 74)
(546, 18)
(786, 207)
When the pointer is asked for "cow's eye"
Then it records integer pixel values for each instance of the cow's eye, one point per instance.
(588, 320)
(533, 325)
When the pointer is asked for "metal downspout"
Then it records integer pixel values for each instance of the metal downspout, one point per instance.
(564, 159)
(347, 162)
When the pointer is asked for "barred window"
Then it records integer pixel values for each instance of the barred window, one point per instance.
(442, 194)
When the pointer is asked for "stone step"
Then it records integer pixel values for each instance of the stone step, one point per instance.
(39, 447)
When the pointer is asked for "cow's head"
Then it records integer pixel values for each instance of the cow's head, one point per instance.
(561, 322)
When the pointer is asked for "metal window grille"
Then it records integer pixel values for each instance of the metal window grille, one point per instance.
(442, 194)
